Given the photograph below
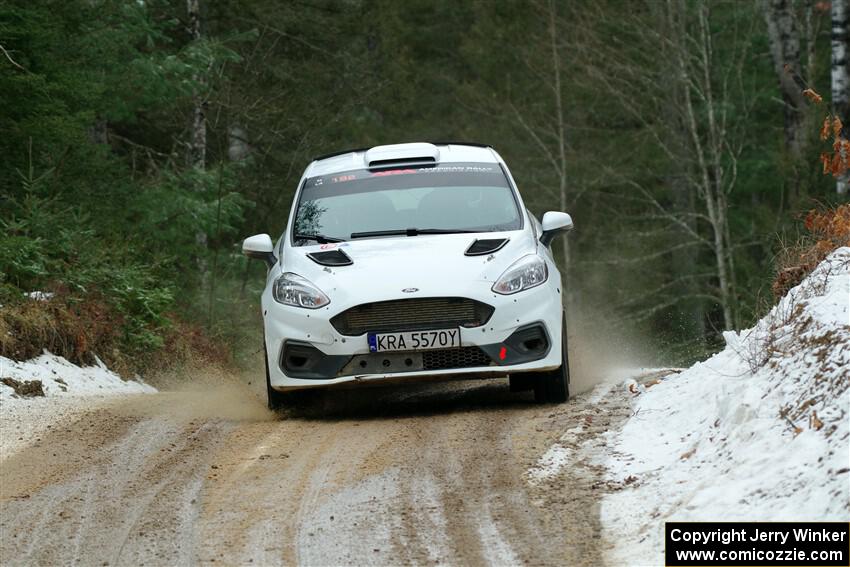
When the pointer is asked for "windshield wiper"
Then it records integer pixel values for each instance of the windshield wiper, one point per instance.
(320, 238)
(409, 232)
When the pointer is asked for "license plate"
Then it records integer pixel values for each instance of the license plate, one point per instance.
(414, 340)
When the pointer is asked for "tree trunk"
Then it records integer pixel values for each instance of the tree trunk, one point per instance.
(237, 143)
(684, 260)
(562, 142)
(707, 174)
(840, 81)
(198, 141)
(198, 130)
(99, 131)
(784, 41)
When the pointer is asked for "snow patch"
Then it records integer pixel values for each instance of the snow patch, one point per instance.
(59, 377)
(550, 464)
(40, 295)
(758, 432)
(558, 456)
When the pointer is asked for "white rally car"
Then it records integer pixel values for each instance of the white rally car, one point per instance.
(412, 262)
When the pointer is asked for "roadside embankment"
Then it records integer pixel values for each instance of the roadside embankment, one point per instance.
(758, 432)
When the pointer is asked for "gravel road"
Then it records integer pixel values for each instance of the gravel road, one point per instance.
(436, 475)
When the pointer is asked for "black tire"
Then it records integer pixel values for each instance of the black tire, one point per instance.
(553, 387)
(276, 400)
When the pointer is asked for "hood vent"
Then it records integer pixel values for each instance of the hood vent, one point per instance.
(398, 154)
(485, 246)
(331, 258)
(411, 162)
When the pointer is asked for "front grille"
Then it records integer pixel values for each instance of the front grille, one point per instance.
(412, 314)
(461, 357)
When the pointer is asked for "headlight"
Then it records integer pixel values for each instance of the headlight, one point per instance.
(527, 272)
(292, 289)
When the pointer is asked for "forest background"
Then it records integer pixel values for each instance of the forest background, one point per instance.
(141, 140)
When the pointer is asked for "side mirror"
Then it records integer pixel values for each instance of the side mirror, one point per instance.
(259, 247)
(554, 223)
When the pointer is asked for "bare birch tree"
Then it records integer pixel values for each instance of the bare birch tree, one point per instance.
(560, 158)
(549, 132)
(784, 38)
(198, 129)
(198, 126)
(684, 109)
(839, 72)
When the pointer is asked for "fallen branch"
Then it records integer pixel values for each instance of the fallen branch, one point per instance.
(12, 61)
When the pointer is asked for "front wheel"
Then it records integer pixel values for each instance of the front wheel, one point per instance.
(554, 386)
(275, 399)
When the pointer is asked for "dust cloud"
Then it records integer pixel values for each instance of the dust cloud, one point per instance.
(203, 391)
(600, 349)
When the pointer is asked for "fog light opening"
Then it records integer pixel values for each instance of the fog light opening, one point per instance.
(297, 361)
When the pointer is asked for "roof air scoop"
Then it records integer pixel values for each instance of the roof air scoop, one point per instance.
(484, 246)
(331, 258)
(401, 154)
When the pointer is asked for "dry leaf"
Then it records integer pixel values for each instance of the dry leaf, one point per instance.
(634, 389)
(825, 160)
(688, 454)
(836, 164)
(651, 384)
(814, 422)
(824, 130)
(813, 96)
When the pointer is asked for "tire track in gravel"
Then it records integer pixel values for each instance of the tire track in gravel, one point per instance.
(413, 476)
(136, 483)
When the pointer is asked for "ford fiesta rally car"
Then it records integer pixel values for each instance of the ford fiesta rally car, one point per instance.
(412, 262)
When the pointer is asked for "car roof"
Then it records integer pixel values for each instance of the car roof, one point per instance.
(445, 152)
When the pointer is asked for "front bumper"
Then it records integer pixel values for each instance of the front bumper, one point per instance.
(306, 351)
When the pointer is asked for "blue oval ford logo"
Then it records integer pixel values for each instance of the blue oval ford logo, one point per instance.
(410, 290)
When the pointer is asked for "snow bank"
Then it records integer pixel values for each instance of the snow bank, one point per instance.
(40, 295)
(760, 431)
(59, 377)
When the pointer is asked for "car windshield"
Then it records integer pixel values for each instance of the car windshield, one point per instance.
(457, 197)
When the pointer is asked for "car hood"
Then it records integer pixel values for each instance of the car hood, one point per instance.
(432, 265)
